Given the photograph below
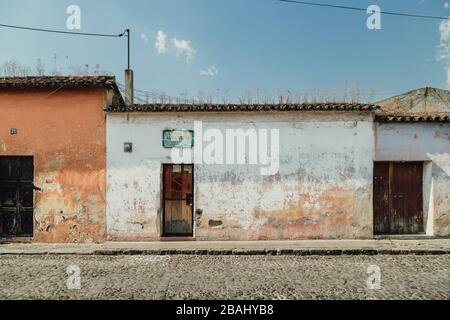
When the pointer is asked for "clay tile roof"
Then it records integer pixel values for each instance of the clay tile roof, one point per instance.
(60, 82)
(421, 105)
(413, 118)
(243, 107)
(50, 82)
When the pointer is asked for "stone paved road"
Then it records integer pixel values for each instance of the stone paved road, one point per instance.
(225, 277)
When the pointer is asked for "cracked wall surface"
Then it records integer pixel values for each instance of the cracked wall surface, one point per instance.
(65, 132)
(323, 189)
(430, 143)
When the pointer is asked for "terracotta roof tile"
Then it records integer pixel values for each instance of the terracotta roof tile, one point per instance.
(423, 101)
(60, 82)
(413, 118)
(243, 107)
(57, 81)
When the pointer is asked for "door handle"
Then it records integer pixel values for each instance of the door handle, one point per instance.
(189, 199)
(30, 185)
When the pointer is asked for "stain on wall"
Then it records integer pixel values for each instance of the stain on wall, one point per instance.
(322, 191)
(65, 132)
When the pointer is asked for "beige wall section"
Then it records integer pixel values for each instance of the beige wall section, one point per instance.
(65, 132)
(323, 189)
(428, 142)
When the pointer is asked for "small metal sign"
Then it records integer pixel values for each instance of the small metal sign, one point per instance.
(178, 138)
(128, 147)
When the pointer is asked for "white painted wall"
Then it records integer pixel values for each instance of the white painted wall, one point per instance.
(428, 142)
(323, 189)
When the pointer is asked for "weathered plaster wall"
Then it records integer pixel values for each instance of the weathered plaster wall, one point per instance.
(428, 142)
(65, 131)
(323, 189)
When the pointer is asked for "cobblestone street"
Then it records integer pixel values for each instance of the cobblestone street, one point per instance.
(225, 277)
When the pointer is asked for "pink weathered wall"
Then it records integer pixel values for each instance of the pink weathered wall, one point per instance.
(65, 131)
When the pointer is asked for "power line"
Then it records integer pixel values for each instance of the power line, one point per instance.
(120, 35)
(307, 3)
(143, 96)
(63, 32)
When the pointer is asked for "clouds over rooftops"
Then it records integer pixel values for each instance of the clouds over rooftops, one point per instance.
(181, 48)
(144, 37)
(184, 49)
(444, 47)
(212, 71)
(161, 42)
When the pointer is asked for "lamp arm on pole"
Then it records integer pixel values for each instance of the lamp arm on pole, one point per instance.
(127, 32)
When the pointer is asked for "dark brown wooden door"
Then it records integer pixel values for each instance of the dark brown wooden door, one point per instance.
(398, 198)
(16, 196)
(381, 198)
(407, 199)
(178, 200)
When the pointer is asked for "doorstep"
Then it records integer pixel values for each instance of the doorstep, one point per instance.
(405, 237)
(175, 239)
(300, 248)
(16, 240)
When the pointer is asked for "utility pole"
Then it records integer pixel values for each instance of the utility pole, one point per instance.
(127, 31)
(129, 81)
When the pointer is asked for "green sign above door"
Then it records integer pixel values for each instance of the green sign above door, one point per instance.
(177, 138)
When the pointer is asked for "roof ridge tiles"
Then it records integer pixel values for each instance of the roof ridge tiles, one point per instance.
(208, 107)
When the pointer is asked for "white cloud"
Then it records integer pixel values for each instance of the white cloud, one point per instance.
(161, 42)
(184, 49)
(211, 71)
(446, 5)
(444, 47)
(144, 37)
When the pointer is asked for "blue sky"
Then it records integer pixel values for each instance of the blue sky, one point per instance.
(241, 45)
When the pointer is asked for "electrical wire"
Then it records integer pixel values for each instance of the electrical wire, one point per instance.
(63, 32)
(307, 3)
(143, 96)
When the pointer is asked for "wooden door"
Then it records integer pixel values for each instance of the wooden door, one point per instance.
(407, 199)
(16, 196)
(178, 200)
(381, 198)
(398, 198)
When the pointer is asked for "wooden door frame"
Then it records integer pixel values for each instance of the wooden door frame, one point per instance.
(164, 233)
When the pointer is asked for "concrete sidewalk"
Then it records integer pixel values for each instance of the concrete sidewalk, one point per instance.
(307, 247)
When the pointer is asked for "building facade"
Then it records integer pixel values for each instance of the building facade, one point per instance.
(79, 165)
(321, 188)
(53, 157)
(412, 164)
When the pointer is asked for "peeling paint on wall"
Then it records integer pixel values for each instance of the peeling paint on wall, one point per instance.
(323, 188)
(65, 132)
(422, 142)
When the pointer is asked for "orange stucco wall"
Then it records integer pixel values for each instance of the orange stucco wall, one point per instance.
(65, 131)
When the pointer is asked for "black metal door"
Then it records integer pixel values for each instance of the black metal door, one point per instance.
(16, 196)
